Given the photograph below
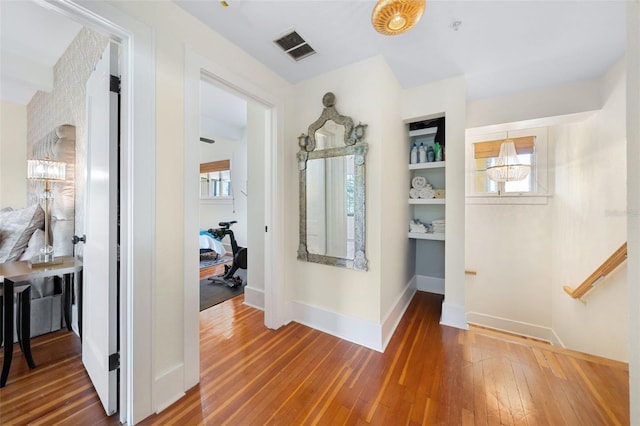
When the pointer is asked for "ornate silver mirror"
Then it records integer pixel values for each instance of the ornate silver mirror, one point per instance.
(331, 161)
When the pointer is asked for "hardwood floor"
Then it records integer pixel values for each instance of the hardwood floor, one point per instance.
(429, 375)
(57, 391)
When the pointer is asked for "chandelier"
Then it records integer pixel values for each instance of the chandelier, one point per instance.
(508, 167)
(392, 17)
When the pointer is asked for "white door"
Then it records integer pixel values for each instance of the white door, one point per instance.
(100, 284)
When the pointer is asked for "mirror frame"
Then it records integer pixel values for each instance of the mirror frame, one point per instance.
(354, 145)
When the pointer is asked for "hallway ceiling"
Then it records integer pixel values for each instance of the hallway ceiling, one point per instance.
(500, 46)
(32, 39)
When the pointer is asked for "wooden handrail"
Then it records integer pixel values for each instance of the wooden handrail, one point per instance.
(605, 269)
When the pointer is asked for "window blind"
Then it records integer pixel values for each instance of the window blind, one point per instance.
(489, 149)
(215, 166)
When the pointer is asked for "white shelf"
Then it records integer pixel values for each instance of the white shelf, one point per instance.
(432, 165)
(426, 236)
(426, 200)
(422, 132)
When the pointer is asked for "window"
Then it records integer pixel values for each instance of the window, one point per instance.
(483, 151)
(486, 155)
(215, 180)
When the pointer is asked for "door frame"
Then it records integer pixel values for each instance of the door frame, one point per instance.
(276, 312)
(137, 196)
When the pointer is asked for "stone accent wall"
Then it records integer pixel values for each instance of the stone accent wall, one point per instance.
(66, 104)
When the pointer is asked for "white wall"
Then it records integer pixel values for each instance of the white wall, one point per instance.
(509, 248)
(579, 96)
(257, 134)
(358, 94)
(13, 155)
(509, 245)
(633, 206)
(448, 97)
(560, 243)
(362, 306)
(394, 210)
(589, 224)
(173, 29)
(214, 211)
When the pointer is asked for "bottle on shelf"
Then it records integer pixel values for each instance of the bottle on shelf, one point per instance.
(438, 152)
(422, 154)
(414, 154)
(431, 155)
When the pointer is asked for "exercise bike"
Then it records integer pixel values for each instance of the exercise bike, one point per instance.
(239, 259)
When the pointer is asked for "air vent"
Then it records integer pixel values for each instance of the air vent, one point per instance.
(295, 46)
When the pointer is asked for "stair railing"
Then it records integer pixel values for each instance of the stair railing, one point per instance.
(594, 279)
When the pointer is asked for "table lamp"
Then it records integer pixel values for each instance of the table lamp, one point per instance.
(48, 171)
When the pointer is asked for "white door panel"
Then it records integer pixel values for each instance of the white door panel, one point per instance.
(99, 334)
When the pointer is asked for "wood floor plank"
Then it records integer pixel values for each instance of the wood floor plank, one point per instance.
(429, 375)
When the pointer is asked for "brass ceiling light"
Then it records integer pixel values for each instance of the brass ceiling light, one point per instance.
(392, 17)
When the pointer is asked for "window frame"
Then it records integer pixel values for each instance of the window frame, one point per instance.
(217, 166)
(539, 169)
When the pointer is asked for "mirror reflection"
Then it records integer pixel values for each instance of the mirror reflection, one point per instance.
(331, 161)
(331, 135)
(330, 206)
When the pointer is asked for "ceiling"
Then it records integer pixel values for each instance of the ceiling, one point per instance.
(223, 114)
(500, 46)
(32, 39)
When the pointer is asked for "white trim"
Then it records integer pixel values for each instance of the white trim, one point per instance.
(217, 200)
(276, 314)
(453, 315)
(431, 165)
(520, 328)
(430, 284)
(356, 330)
(254, 297)
(191, 344)
(137, 194)
(395, 314)
(508, 199)
(168, 388)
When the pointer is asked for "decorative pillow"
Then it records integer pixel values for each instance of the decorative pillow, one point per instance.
(36, 242)
(16, 228)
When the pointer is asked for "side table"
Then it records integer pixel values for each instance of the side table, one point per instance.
(18, 271)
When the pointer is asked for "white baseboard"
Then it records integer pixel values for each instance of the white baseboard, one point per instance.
(356, 330)
(168, 388)
(516, 327)
(392, 319)
(454, 316)
(430, 284)
(254, 297)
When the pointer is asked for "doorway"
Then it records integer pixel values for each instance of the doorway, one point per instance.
(223, 191)
(137, 196)
(264, 187)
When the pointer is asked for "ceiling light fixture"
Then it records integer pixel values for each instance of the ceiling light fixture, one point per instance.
(508, 168)
(392, 17)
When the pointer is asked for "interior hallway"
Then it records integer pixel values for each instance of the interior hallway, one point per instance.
(430, 374)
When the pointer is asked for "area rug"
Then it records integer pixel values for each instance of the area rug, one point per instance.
(212, 293)
(212, 262)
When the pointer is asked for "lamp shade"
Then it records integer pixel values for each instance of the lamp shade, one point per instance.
(46, 170)
(508, 167)
(391, 17)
